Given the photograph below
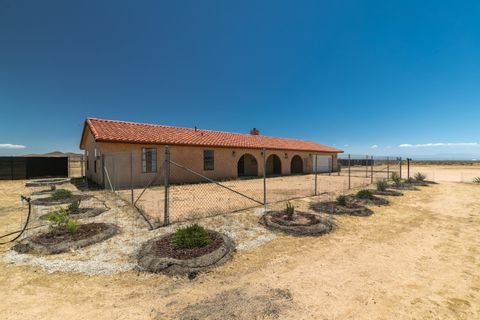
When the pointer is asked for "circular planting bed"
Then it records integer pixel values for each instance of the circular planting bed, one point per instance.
(301, 224)
(60, 240)
(349, 208)
(46, 182)
(387, 193)
(81, 213)
(50, 201)
(369, 201)
(160, 255)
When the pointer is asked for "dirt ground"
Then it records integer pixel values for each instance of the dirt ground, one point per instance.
(416, 259)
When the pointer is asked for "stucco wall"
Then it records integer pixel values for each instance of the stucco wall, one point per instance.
(124, 160)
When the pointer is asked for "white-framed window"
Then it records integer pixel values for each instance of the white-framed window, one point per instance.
(149, 160)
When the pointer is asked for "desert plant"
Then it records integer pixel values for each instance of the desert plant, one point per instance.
(74, 206)
(192, 236)
(365, 194)
(59, 219)
(476, 180)
(382, 185)
(61, 194)
(342, 200)
(420, 177)
(396, 179)
(290, 210)
(410, 180)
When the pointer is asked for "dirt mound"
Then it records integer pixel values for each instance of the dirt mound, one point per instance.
(158, 255)
(81, 213)
(49, 201)
(303, 224)
(57, 241)
(369, 201)
(393, 193)
(332, 207)
(242, 304)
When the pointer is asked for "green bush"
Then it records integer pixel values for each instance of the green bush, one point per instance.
(382, 185)
(342, 200)
(365, 194)
(396, 179)
(74, 206)
(410, 180)
(192, 236)
(476, 180)
(420, 177)
(290, 210)
(61, 194)
(59, 219)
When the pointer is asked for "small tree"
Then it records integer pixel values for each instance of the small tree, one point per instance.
(61, 194)
(289, 210)
(420, 177)
(382, 185)
(74, 206)
(59, 220)
(192, 236)
(396, 179)
(342, 200)
(365, 194)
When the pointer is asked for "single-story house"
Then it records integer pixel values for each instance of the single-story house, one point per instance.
(133, 153)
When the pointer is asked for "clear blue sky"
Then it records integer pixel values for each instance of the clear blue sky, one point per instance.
(352, 74)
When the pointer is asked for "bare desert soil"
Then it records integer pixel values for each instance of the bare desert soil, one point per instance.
(416, 259)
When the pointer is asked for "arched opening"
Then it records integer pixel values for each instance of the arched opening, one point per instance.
(247, 166)
(274, 165)
(296, 166)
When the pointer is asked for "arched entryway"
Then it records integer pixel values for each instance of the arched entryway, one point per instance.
(296, 166)
(274, 165)
(247, 166)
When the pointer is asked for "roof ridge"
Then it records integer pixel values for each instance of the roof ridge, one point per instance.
(193, 129)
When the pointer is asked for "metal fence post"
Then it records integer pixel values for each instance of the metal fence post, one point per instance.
(371, 169)
(408, 168)
(366, 166)
(264, 151)
(316, 170)
(388, 168)
(131, 175)
(349, 176)
(166, 174)
(400, 159)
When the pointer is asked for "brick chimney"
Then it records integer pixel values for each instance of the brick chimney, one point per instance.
(254, 132)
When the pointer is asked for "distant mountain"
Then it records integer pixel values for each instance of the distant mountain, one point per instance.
(54, 154)
(447, 156)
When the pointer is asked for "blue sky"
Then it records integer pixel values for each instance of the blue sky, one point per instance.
(352, 74)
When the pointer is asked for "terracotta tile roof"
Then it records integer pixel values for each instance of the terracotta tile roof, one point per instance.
(131, 132)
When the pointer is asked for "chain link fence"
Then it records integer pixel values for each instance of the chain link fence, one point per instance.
(161, 198)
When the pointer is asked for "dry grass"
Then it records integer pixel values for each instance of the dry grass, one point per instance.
(416, 259)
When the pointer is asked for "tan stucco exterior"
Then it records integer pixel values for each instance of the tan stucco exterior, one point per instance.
(123, 162)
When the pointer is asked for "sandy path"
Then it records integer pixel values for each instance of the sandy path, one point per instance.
(419, 258)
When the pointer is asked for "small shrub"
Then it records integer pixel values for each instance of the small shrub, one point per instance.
(396, 179)
(290, 210)
(192, 236)
(74, 206)
(420, 177)
(365, 194)
(59, 219)
(476, 180)
(382, 185)
(61, 194)
(342, 200)
(410, 180)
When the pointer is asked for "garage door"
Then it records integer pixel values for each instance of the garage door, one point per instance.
(324, 163)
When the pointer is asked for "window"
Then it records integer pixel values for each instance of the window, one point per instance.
(208, 163)
(88, 160)
(149, 160)
(95, 165)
